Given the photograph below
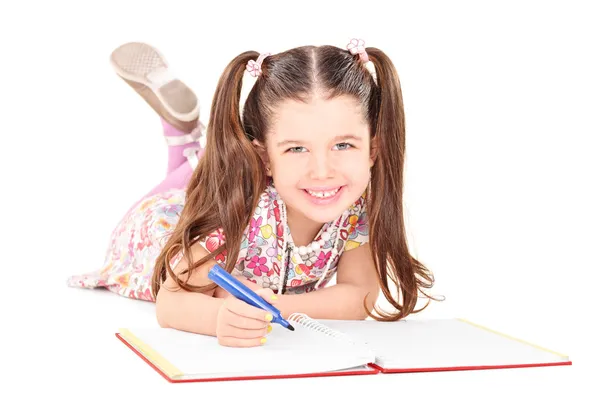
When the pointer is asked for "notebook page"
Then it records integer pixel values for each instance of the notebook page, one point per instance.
(299, 352)
(441, 343)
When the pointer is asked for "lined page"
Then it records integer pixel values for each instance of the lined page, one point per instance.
(286, 352)
(441, 343)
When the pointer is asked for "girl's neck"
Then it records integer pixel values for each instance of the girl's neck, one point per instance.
(302, 229)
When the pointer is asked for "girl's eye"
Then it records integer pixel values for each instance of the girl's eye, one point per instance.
(343, 146)
(298, 149)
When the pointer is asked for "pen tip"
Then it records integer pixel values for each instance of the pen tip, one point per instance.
(291, 328)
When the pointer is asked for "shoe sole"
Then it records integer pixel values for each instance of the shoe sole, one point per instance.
(139, 65)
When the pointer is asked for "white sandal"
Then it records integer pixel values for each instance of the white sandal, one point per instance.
(145, 69)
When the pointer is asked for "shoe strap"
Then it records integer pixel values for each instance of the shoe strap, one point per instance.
(159, 77)
(192, 156)
(191, 137)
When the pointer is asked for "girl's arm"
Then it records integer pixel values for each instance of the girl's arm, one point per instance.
(232, 321)
(197, 312)
(356, 278)
(189, 311)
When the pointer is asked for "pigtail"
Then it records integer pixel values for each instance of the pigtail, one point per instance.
(225, 187)
(387, 235)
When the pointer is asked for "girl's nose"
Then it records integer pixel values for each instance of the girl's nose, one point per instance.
(321, 167)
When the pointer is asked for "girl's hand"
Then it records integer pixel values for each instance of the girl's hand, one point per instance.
(241, 325)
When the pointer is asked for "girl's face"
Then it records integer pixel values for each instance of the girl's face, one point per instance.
(318, 154)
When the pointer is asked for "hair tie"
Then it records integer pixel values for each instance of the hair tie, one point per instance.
(254, 66)
(357, 46)
(254, 70)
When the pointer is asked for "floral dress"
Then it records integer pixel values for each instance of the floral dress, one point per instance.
(139, 237)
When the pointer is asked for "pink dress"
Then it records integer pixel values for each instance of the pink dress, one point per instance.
(138, 238)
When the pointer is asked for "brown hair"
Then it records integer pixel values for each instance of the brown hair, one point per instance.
(230, 177)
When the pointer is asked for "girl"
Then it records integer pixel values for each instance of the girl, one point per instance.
(301, 178)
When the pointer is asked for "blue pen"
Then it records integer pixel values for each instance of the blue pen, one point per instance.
(236, 288)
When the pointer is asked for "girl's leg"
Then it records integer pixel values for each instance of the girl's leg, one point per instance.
(180, 145)
(135, 242)
(177, 178)
(145, 69)
(180, 176)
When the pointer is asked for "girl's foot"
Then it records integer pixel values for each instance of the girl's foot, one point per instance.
(146, 70)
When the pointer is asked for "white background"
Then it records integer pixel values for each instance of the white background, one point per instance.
(501, 103)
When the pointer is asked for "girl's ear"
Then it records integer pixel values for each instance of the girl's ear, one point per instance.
(374, 150)
(262, 152)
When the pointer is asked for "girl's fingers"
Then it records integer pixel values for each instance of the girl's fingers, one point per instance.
(267, 294)
(238, 333)
(244, 309)
(242, 322)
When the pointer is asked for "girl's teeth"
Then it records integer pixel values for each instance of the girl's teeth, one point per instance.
(323, 195)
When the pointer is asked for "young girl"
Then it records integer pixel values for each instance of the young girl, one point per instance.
(301, 178)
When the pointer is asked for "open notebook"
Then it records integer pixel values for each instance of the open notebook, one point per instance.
(331, 347)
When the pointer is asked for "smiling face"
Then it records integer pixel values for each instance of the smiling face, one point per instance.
(318, 155)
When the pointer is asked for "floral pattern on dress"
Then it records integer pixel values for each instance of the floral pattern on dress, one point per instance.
(134, 247)
(137, 240)
(262, 253)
